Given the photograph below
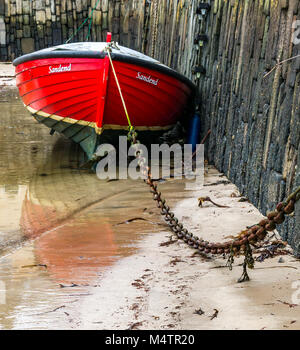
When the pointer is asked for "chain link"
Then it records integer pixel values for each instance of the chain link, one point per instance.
(240, 244)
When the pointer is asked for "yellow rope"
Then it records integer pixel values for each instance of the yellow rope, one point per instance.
(119, 88)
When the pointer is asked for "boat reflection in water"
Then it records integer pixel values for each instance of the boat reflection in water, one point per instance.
(73, 217)
(71, 227)
(74, 251)
(73, 224)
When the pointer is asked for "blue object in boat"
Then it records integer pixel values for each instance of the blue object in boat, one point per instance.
(194, 131)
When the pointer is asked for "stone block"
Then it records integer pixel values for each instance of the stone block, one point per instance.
(284, 4)
(26, 31)
(104, 20)
(40, 31)
(40, 4)
(2, 32)
(13, 10)
(105, 4)
(19, 33)
(27, 45)
(267, 7)
(2, 8)
(78, 4)
(19, 7)
(26, 7)
(97, 17)
(48, 14)
(56, 35)
(40, 17)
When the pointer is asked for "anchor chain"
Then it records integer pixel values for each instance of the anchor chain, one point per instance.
(241, 243)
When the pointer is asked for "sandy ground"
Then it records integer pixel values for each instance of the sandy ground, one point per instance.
(169, 287)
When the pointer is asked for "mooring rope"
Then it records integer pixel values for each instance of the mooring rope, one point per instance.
(241, 244)
(108, 49)
(90, 17)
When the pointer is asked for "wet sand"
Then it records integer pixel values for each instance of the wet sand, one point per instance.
(60, 226)
(80, 253)
(169, 287)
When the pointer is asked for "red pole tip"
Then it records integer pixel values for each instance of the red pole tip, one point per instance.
(108, 37)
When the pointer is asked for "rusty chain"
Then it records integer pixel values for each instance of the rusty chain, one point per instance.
(240, 244)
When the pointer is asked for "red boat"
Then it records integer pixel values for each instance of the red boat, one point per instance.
(71, 89)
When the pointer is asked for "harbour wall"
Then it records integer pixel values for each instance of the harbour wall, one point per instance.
(253, 111)
(229, 52)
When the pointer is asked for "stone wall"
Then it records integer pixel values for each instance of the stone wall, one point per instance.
(29, 25)
(254, 118)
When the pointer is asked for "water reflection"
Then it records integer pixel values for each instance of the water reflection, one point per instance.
(72, 223)
(24, 144)
(11, 199)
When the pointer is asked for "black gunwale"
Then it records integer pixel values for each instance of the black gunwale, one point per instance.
(43, 54)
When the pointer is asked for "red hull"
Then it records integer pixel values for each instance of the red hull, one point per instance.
(83, 91)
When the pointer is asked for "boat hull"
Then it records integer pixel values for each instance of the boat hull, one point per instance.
(78, 97)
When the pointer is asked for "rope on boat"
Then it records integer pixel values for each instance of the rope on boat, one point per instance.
(108, 49)
(240, 244)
